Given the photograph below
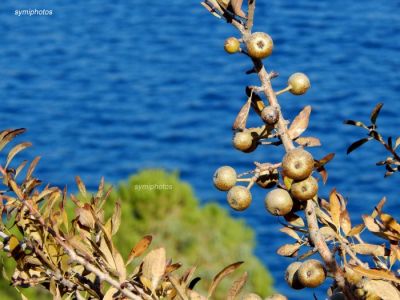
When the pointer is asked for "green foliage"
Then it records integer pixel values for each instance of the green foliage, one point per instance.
(158, 203)
(204, 236)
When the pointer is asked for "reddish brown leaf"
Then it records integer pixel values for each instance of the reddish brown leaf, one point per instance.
(139, 248)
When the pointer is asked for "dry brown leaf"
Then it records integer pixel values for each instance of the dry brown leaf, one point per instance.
(120, 266)
(81, 186)
(116, 218)
(8, 135)
(172, 267)
(187, 276)
(345, 221)
(390, 223)
(308, 141)
(376, 274)
(241, 119)
(383, 289)
(237, 8)
(288, 250)
(290, 232)
(371, 223)
(324, 218)
(139, 248)
(378, 209)
(225, 272)
(14, 151)
(328, 233)
(300, 123)
(85, 216)
(178, 287)
(237, 287)
(109, 295)
(294, 220)
(370, 249)
(334, 209)
(356, 230)
(31, 168)
(154, 265)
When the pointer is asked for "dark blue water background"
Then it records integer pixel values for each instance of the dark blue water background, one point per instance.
(110, 87)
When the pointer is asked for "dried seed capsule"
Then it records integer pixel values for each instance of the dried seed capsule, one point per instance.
(225, 178)
(299, 83)
(291, 276)
(270, 115)
(239, 198)
(278, 202)
(244, 141)
(298, 164)
(311, 273)
(259, 45)
(232, 45)
(304, 190)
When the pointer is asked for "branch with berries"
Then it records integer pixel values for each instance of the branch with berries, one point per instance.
(294, 188)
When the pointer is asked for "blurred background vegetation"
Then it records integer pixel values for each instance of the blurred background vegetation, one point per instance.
(203, 236)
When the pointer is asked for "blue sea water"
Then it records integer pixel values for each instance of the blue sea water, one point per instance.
(108, 88)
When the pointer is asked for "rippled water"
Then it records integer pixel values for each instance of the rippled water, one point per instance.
(110, 88)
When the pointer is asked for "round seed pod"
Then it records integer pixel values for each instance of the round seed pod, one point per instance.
(278, 202)
(298, 164)
(232, 45)
(239, 198)
(270, 115)
(291, 276)
(311, 273)
(225, 178)
(259, 45)
(299, 83)
(305, 189)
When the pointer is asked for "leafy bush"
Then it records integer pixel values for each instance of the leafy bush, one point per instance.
(157, 203)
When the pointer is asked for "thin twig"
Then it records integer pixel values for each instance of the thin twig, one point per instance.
(250, 15)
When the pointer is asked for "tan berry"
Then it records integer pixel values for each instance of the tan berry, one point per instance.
(239, 198)
(299, 83)
(232, 45)
(298, 164)
(225, 178)
(270, 115)
(278, 202)
(244, 141)
(259, 45)
(291, 276)
(311, 273)
(305, 189)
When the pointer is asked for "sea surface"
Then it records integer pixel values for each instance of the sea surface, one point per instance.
(106, 88)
